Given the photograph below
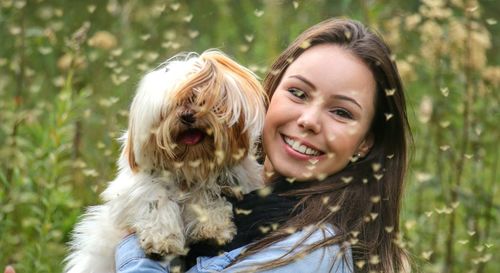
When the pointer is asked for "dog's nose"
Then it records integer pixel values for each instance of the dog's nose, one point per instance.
(187, 118)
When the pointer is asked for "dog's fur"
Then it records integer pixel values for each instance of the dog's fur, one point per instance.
(192, 131)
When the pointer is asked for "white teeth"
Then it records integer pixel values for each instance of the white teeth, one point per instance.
(301, 148)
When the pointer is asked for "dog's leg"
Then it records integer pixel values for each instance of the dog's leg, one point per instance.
(207, 218)
(160, 230)
(156, 218)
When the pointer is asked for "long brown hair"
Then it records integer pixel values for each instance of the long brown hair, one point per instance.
(362, 202)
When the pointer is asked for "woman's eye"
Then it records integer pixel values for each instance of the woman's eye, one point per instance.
(342, 113)
(297, 93)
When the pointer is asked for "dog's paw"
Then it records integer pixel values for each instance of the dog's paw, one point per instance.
(169, 244)
(222, 233)
(225, 236)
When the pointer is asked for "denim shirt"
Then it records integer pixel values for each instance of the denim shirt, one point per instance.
(130, 258)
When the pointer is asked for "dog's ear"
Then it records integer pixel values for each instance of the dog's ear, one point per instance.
(129, 153)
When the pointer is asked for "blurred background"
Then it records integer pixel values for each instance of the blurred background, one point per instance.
(68, 71)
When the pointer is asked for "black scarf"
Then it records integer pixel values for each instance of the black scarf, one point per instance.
(254, 216)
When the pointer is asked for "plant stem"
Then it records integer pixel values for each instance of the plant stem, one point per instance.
(489, 205)
(467, 102)
(19, 90)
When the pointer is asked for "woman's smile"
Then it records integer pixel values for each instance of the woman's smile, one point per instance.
(301, 147)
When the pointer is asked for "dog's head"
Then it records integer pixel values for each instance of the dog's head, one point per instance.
(195, 115)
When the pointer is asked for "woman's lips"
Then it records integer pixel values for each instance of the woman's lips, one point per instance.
(300, 150)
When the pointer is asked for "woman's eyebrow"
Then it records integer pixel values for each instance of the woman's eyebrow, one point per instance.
(342, 97)
(306, 81)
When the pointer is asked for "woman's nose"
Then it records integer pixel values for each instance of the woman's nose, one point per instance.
(309, 120)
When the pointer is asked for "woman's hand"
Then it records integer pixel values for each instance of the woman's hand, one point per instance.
(9, 269)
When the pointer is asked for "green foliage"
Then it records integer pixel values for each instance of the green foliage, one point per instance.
(68, 70)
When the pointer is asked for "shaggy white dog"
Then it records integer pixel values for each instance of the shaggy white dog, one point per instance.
(192, 131)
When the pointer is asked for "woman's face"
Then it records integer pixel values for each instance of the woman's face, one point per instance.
(320, 114)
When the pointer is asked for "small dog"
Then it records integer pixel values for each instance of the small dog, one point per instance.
(193, 126)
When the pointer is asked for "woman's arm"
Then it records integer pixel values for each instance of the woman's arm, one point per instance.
(9, 269)
(131, 259)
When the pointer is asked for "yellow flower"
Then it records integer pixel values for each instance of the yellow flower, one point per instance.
(68, 60)
(491, 74)
(412, 21)
(405, 70)
(103, 39)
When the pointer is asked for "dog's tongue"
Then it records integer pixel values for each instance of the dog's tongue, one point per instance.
(191, 137)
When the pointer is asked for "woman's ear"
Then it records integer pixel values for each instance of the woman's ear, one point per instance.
(366, 145)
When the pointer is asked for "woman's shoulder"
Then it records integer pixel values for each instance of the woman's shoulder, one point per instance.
(329, 258)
